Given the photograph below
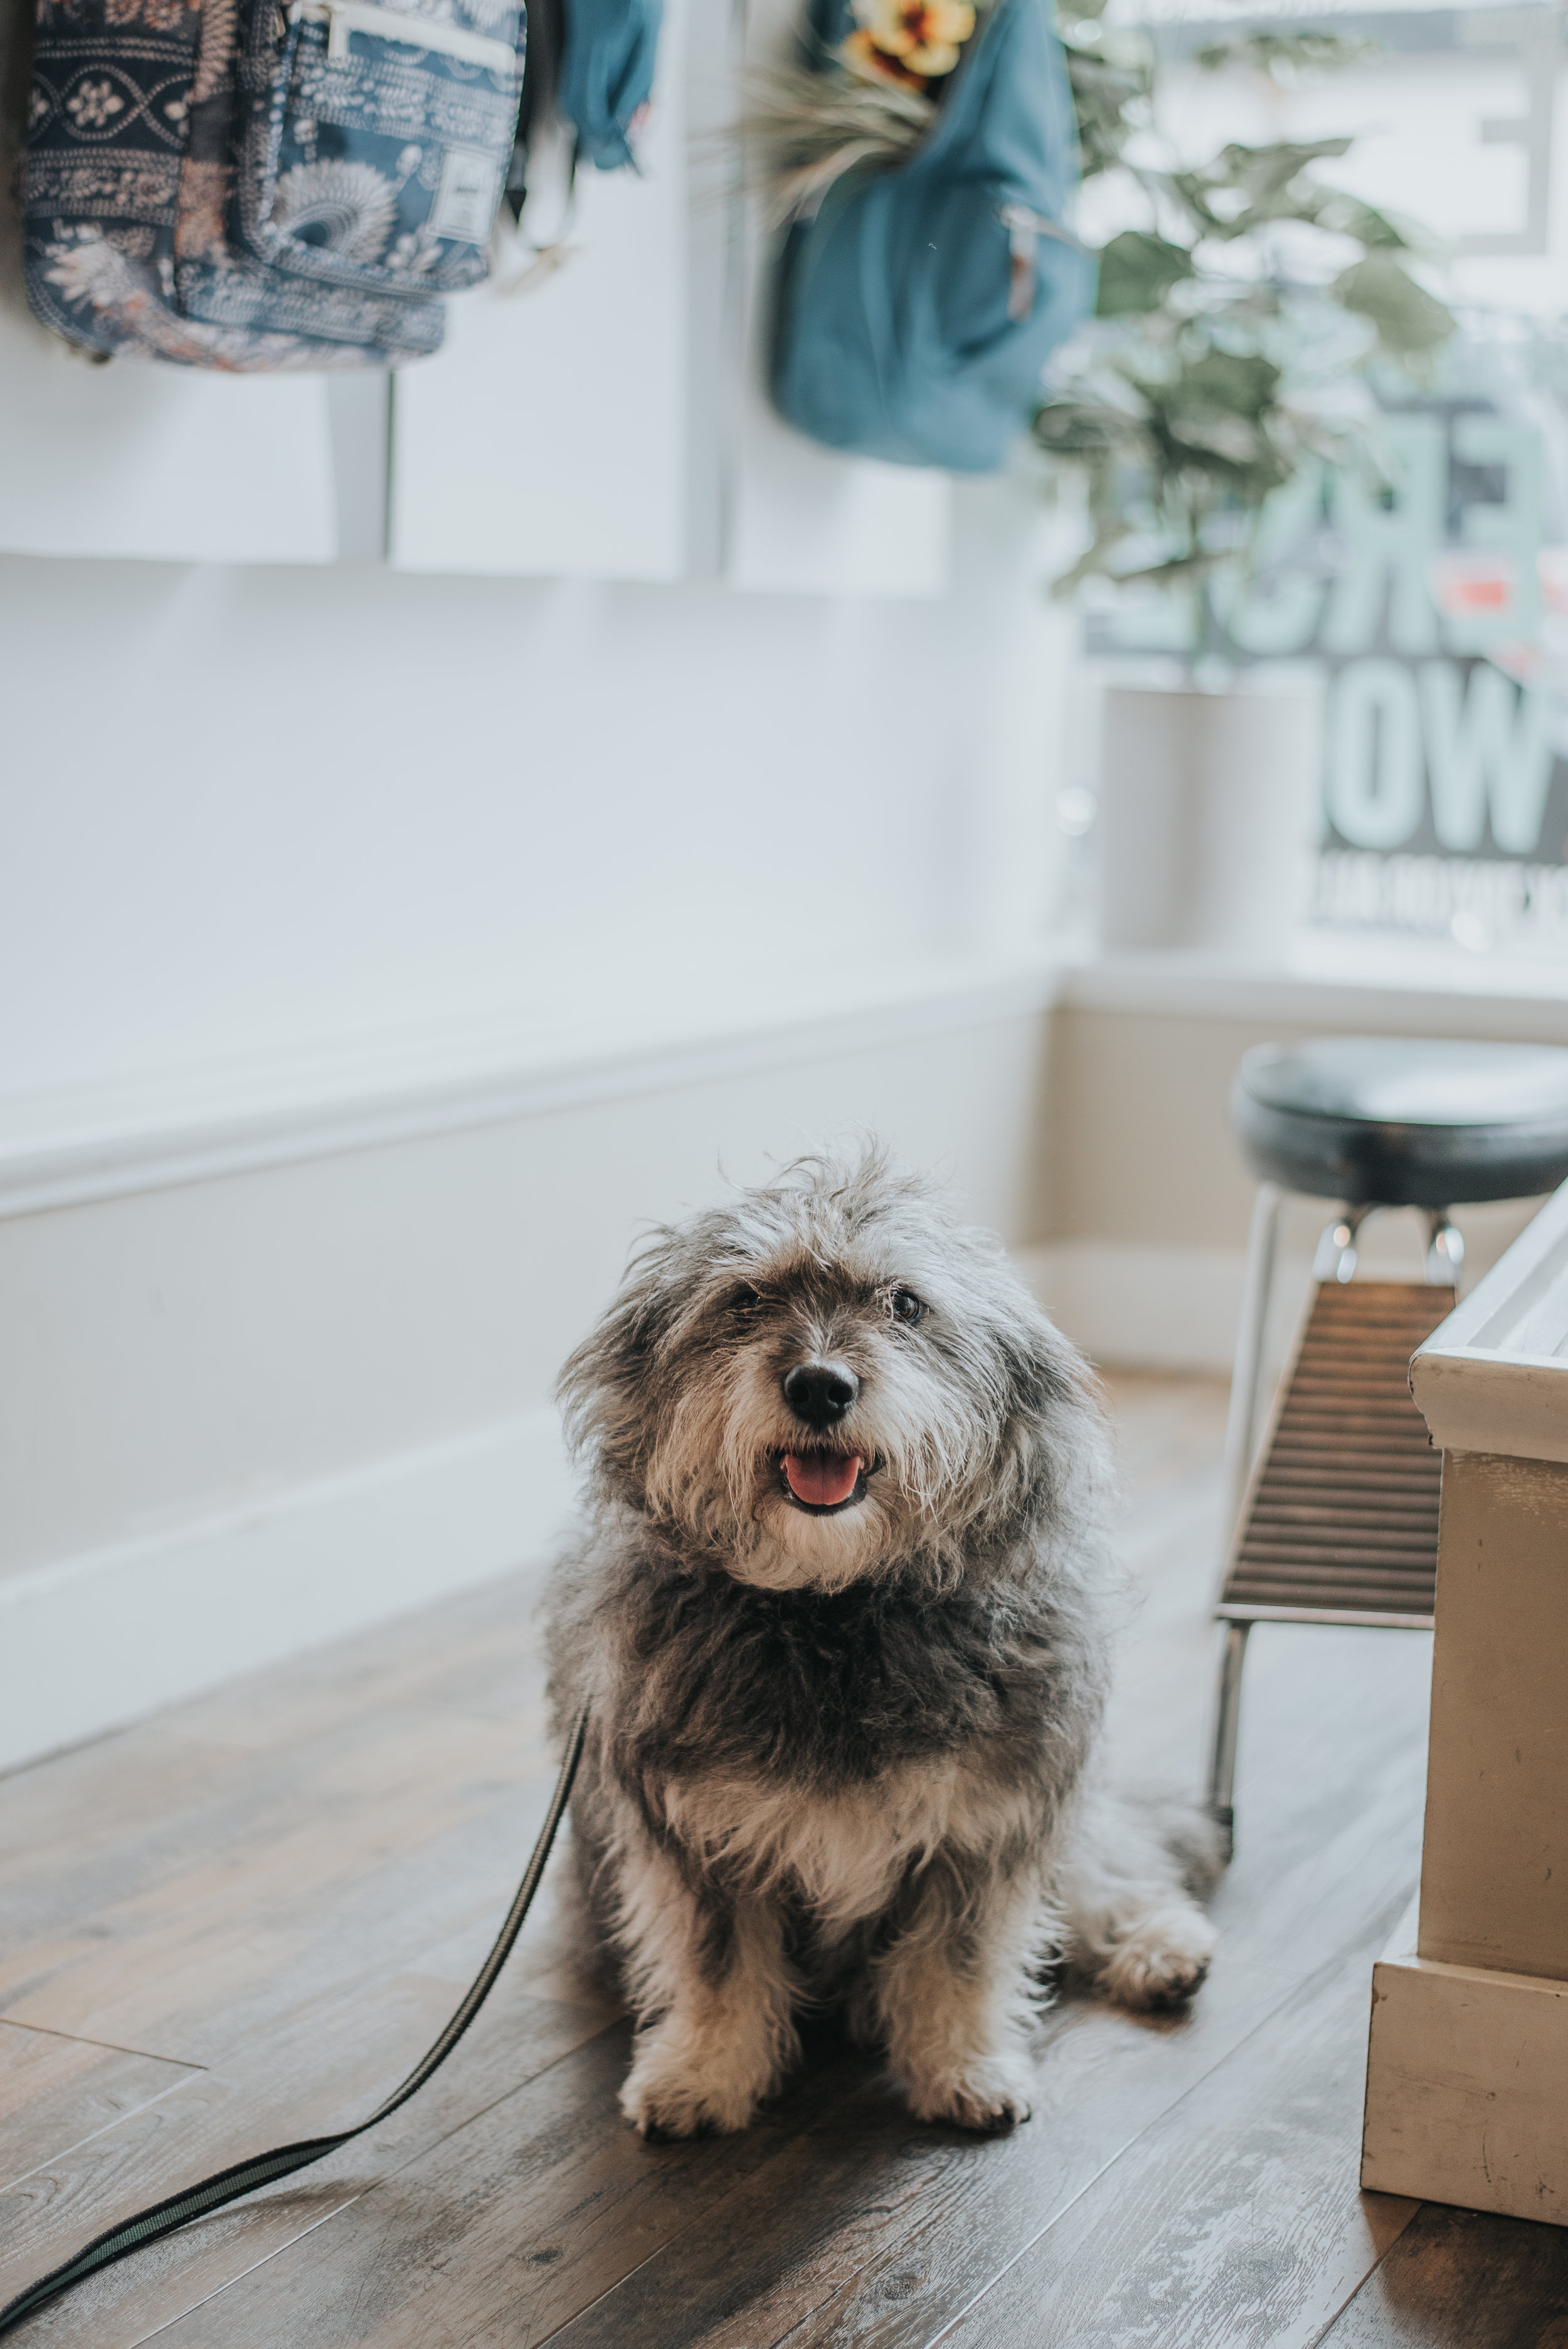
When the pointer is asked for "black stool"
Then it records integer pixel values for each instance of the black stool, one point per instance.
(1336, 1519)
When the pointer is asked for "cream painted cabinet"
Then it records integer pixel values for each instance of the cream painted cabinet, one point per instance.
(1467, 2096)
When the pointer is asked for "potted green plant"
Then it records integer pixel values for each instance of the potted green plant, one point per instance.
(1241, 327)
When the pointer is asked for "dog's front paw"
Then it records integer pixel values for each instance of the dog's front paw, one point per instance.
(691, 2088)
(990, 2095)
(1161, 1961)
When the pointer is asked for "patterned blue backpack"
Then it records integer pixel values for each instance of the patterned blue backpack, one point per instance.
(917, 308)
(257, 184)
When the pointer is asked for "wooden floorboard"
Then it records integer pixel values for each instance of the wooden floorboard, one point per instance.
(1464, 2280)
(280, 1892)
(245, 1919)
(1235, 2218)
(547, 2203)
(55, 2094)
(292, 2088)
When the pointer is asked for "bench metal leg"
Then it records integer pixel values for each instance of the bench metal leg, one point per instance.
(1246, 1371)
(1227, 1720)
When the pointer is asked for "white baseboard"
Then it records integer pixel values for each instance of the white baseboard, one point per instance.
(93, 1642)
(1167, 1308)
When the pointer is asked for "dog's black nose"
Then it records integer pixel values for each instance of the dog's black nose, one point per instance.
(819, 1393)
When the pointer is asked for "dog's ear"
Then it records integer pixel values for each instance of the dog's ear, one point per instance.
(1053, 1456)
(607, 1389)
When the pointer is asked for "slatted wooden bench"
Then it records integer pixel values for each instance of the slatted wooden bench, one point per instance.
(1333, 1518)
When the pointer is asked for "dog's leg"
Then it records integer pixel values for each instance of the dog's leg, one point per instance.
(1126, 1887)
(711, 1974)
(948, 1994)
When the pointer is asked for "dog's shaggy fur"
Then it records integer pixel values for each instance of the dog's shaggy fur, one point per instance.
(837, 1745)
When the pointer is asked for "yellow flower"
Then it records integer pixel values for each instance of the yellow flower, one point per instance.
(861, 54)
(925, 35)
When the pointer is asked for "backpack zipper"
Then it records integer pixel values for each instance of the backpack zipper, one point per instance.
(342, 17)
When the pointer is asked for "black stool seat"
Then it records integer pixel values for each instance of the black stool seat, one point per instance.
(1404, 1121)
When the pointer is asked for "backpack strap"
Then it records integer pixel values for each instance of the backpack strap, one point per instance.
(539, 261)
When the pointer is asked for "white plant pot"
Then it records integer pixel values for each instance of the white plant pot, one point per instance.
(1210, 813)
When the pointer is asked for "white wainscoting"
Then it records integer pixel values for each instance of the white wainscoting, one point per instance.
(90, 1642)
(1132, 1307)
(1160, 1308)
(110, 1140)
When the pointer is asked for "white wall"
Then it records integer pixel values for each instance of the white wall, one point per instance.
(247, 807)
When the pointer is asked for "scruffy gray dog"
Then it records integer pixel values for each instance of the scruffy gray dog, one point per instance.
(839, 1619)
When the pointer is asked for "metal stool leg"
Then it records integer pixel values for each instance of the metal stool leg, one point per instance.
(1246, 1372)
(1336, 1247)
(1227, 1720)
(1445, 1261)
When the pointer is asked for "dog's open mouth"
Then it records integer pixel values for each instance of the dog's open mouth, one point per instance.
(822, 1482)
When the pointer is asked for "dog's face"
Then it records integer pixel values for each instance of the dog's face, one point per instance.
(824, 1378)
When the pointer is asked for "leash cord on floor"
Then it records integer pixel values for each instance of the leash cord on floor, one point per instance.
(177, 2211)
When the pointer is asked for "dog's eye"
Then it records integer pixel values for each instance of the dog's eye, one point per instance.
(742, 1299)
(906, 1305)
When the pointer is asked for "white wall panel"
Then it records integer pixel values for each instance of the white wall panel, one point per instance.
(549, 437)
(138, 458)
(808, 523)
(802, 519)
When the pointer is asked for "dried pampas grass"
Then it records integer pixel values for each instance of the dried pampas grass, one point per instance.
(801, 131)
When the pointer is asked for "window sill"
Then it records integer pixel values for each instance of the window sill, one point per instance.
(1324, 979)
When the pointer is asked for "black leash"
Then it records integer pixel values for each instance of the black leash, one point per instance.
(176, 2210)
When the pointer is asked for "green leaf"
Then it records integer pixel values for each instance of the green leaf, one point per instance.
(1345, 215)
(1245, 187)
(1110, 85)
(1238, 381)
(1285, 57)
(1409, 320)
(1084, 429)
(1136, 270)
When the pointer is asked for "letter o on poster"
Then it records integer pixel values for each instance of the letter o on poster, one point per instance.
(1375, 785)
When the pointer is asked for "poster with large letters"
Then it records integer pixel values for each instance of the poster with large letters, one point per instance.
(1435, 602)
(1433, 599)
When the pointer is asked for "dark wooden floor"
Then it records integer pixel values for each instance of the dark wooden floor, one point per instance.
(241, 1921)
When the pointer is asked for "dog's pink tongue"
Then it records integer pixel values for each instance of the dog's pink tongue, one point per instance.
(822, 1479)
